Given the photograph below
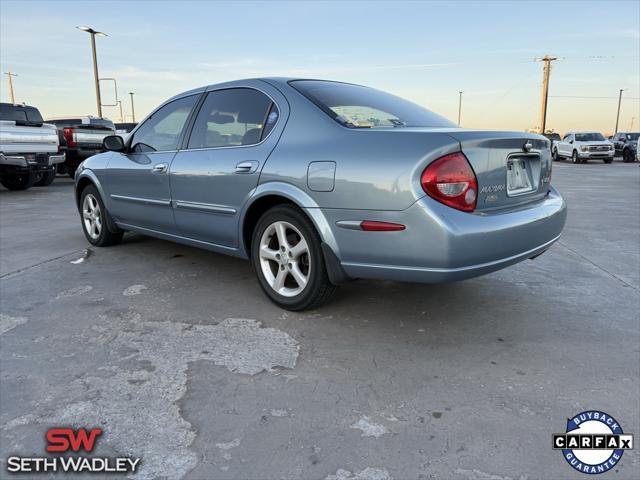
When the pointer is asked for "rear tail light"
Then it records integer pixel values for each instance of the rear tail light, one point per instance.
(450, 180)
(69, 135)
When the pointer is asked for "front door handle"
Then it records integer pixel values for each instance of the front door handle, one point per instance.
(160, 168)
(249, 166)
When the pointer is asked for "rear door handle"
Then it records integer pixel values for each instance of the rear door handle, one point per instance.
(249, 166)
(160, 168)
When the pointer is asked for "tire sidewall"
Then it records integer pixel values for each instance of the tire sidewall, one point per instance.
(574, 157)
(90, 189)
(295, 217)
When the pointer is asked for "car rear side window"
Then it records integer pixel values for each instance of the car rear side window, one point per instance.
(233, 117)
(163, 129)
(355, 106)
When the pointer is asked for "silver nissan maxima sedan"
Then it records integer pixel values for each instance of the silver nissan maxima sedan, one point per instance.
(319, 182)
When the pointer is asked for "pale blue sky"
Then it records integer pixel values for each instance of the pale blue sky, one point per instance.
(424, 51)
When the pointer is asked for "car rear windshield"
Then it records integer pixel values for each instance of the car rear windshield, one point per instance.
(589, 137)
(22, 115)
(355, 106)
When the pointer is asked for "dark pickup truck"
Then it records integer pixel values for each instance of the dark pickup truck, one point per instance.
(80, 138)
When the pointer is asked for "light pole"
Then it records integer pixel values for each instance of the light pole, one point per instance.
(618, 114)
(93, 34)
(459, 106)
(120, 105)
(10, 81)
(133, 112)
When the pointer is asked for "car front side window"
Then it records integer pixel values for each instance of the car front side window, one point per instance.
(163, 129)
(233, 117)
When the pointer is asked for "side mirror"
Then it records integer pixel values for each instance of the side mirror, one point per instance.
(113, 143)
(623, 140)
(570, 141)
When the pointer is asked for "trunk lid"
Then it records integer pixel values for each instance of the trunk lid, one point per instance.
(16, 138)
(512, 168)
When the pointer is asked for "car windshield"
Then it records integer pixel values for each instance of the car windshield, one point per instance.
(633, 136)
(589, 137)
(20, 114)
(355, 106)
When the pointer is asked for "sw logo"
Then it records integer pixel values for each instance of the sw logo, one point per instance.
(593, 442)
(66, 440)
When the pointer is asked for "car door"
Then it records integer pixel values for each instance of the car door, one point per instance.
(138, 179)
(565, 146)
(212, 177)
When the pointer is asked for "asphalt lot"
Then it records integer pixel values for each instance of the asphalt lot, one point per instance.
(180, 358)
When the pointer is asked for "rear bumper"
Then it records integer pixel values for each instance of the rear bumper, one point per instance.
(441, 244)
(22, 161)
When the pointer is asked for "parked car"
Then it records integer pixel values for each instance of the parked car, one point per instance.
(28, 148)
(580, 147)
(553, 138)
(124, 128)
(626, 145)
(80, 138)
(318, 182)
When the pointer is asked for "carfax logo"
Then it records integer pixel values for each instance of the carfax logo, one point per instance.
(593, 442)
(64, 440)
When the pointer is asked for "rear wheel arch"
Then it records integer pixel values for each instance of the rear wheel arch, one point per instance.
(258, 208)
(83, 183)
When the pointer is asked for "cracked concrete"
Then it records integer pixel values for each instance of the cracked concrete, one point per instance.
(148, 376)
(471, 379)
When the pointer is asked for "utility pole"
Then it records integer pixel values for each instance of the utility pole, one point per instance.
(10, 81)
(546, 71)
(120, 105)
(618, 114)
(459, 106)
(93, 34)
(133, 112)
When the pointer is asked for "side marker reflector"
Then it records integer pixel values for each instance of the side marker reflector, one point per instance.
(371, 226)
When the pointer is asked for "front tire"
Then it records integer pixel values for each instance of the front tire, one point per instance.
(288, 260)
(574, 157)
(607, 160)
(19, 181)
(627, 156)
(554, 155)
(95, 219)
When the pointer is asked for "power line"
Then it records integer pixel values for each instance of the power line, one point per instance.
(584, 96)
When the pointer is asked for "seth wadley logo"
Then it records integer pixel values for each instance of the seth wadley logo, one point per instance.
(63, 440)
(593, 442)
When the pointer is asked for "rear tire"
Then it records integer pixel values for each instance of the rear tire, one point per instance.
(46, 178)
(19, 181)
(95, 219)
(287, 257)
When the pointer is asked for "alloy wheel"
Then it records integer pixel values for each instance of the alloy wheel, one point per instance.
(284, 259)
(91, 216)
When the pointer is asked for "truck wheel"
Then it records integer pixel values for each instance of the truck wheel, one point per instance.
(627, 156)
(45, 179)
(95, 219)
(288, 260)
(19, 181)
(574, 157)
(554, 155)
(607, 160)
(71, 172)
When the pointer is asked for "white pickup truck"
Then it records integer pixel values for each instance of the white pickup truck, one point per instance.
(580, 147)
(28, 148)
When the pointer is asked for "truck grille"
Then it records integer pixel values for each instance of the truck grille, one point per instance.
(599, 148)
